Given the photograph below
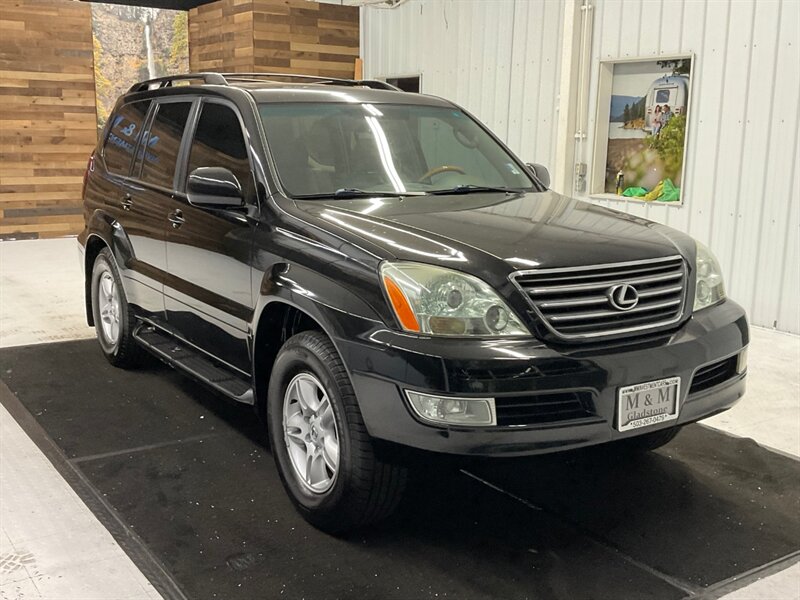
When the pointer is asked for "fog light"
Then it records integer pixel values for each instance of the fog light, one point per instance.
(446, 410)
(741, 364)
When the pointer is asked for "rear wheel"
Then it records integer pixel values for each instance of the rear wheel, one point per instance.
(327, 461)
(113, 319)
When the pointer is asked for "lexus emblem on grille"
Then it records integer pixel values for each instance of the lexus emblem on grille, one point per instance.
(623, 296)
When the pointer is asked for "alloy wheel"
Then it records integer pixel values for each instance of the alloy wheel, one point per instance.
(109, 303)
(310, 433)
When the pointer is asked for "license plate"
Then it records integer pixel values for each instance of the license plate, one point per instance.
(648, 403)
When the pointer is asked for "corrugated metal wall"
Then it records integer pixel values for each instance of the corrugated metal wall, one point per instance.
(741, 185)
(498, 59)
(501, 60)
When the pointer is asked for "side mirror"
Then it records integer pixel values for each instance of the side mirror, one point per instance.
(214, 187)
(541, 173)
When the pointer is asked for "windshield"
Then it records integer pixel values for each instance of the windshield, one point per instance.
(322, 148)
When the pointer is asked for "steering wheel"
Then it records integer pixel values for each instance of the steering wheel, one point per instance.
(441, 169)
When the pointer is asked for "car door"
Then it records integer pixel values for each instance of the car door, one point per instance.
(147, 196)
(141, 256)
(208, 295)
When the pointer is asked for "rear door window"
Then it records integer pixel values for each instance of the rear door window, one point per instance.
(123, 135)
(163, 141)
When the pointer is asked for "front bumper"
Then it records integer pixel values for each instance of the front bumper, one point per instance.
(383, 363)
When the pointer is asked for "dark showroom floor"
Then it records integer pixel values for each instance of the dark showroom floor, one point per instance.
(185, 483)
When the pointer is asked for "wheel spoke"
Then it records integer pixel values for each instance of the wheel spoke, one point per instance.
(330, 452)
(325, 414)
(107, 286)
(295, 420)
(309, 463)
(296, 429)
(299, 458)
(309, 393)
(317, 474)
(295, 393)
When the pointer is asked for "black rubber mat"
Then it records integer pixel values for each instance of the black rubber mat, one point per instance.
(191, 476)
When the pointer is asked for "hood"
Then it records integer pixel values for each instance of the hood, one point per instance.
(524, 231)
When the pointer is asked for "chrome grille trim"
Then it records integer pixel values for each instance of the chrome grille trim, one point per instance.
(575, 311)
(581, 287)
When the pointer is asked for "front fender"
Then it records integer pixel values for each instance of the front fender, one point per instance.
(330, 303)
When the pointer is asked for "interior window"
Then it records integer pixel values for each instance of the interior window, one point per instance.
(407, 84)
(218, 142)
(123, 135)
(162, 143)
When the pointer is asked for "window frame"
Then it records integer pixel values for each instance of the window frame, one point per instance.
(138, 162)
(182, 171)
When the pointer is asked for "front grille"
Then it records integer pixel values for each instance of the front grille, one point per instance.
(713, 374)
(543, 408)
(574, 303)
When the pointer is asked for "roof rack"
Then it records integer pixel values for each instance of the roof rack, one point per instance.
(161, 82)
(256, 77)
(225, 79)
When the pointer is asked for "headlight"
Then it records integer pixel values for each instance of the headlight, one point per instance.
(709, 288)
(439, 301)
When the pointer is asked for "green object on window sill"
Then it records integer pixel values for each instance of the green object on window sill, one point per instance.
(634, 192)
(670, 192)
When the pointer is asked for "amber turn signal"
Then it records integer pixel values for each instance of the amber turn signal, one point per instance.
(401, 306)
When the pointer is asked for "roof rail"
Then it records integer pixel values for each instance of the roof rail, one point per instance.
(226, 78)
(255, 77)
(161, 82)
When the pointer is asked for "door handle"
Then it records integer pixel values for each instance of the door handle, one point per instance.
(127, 202)
(176, 218)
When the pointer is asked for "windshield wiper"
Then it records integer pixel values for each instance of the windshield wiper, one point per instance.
(357, 193)
(474, 189)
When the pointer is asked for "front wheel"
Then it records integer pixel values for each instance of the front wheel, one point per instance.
(326, 459)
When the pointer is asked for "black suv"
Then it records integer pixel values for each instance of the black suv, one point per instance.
(373, 269)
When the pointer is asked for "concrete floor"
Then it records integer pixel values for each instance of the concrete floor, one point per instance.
(52, 546)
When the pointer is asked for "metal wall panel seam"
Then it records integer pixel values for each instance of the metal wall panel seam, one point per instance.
(762, 199)
(737, 216)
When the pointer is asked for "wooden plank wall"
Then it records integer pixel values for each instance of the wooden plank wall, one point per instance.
(221, 36)
(305, 37)
(285, 36)
(48, 124)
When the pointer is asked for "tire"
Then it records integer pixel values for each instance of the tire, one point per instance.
(648, 441)
(113, 319)
(361, 488)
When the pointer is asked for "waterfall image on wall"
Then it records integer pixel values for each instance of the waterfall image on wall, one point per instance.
(132, 43)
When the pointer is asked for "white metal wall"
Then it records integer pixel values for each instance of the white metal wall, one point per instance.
(501, 59)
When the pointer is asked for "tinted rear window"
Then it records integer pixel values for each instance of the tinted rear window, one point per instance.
(163, 142)
(123, 135)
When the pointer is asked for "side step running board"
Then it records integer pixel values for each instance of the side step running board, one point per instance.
(195, 363)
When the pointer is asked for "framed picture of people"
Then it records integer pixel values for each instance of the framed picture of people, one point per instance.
(644, 108)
